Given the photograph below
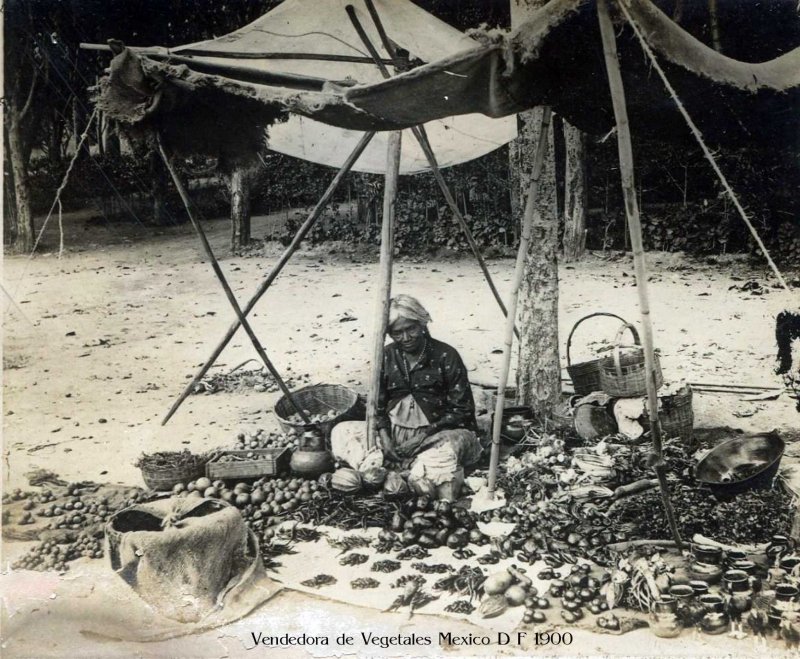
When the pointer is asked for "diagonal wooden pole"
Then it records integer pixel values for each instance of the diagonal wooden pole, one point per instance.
(313, 216)
(525, 237)
(187, 202)
(422, 138)
(625, 149)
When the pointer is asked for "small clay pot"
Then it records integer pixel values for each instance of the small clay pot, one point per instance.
(786, 597)
(665, 621)
(778, 547)
(707, 554)
(734, 555)
(736, 581)
(699, 588)
(311, 463)
(788, 563)
(715, 620)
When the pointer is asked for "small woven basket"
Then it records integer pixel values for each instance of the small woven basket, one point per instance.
(677, 415)
(585, 376)
(163, 480)
(318, 399)
(623, 375)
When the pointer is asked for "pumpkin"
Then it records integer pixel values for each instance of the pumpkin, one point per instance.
(346, 480)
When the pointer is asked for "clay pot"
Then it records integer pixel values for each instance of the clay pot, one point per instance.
(789, 563)
(778, 547)
(684, 595)
(736, 581)
(699, 588)
(311, 463)
(786, 597)
(707, 554)
(665, 622)
(715, 620)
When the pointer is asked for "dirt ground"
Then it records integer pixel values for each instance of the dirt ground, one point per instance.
(99, 343)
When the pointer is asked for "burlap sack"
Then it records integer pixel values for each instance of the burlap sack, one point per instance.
(186, 557)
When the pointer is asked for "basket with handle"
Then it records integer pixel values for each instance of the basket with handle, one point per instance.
(585, 376)
(335, 401)
(623, 374)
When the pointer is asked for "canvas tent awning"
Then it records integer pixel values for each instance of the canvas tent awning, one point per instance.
(554, 59)
(318, 42)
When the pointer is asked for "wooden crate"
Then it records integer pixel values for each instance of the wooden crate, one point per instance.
(265, 462)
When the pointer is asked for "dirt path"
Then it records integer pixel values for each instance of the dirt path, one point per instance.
(102, 341)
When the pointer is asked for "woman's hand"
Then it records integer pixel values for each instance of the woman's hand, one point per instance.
(387, 446)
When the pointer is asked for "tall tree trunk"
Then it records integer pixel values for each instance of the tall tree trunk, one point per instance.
(538, 368)
(575, 193)
(22, 227)
(240, 208)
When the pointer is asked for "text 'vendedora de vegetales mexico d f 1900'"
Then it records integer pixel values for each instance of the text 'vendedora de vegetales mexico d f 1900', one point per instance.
(383, 641)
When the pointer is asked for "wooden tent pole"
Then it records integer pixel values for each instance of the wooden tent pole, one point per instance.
(525, 238)
(635, 229)
(187, 202)
(422, 138)
(316, 212)
(384, 288)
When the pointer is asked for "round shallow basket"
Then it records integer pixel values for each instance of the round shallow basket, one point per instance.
(585, 376)
(163, 480)
(318, 399)
(623, 374)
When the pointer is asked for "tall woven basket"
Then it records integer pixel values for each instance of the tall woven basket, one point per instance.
(585, 376)
(623, 374)
(318, 399)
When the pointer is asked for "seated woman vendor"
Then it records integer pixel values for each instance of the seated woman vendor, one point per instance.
(426, 414)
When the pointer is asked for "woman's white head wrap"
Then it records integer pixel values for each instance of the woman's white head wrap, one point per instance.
(405, 306)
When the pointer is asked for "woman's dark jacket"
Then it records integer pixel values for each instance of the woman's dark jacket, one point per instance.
(438, 382)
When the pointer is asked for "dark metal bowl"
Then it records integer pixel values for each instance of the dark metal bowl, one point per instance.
(740, 464)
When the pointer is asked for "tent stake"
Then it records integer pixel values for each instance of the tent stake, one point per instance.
(519, 270)
(187, 202)
(284, 259)
(422, 138)
(384, 289)
(625, 149)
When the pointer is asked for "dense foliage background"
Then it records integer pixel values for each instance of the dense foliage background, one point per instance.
(683, 208)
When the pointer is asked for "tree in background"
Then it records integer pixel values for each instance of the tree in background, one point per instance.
(538, 366)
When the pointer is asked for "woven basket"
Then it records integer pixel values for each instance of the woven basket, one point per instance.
(318, 399)
(163, 480)
(676, 415)
(623, 375)
(585, 376)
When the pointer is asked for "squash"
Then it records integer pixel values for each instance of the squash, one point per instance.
(374, 477)
(394, 486)
(498, 583)
(346, 480)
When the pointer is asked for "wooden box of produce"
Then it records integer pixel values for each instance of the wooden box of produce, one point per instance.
(248, 464)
